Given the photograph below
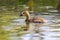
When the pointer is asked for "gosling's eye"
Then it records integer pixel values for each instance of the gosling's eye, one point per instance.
(23, 13)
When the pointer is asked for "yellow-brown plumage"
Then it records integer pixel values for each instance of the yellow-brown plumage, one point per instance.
(34, 19)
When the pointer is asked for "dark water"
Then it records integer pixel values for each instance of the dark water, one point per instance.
(35, 31)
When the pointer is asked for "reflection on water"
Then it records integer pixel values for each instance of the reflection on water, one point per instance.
(19, 30)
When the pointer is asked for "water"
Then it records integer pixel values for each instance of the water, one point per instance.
(35, 31)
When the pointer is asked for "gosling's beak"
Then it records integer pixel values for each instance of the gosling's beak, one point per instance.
(21, 15)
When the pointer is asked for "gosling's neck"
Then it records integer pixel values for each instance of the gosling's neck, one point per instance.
(27, 18)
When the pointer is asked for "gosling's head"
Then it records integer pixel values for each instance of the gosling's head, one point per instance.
(24, 13)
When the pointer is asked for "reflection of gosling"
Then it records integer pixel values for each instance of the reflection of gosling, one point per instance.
(25, 28)
(34, 20)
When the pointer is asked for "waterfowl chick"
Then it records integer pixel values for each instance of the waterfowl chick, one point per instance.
(34, 19)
